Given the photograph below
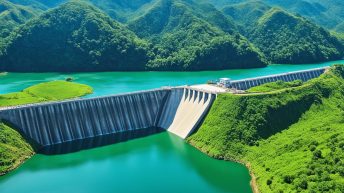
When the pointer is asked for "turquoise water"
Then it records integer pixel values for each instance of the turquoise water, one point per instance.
(106, 83)
(157, 163)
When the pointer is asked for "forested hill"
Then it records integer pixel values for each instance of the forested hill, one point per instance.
(285, 38)
(74, 37)
(282, 36)
(184, 38)
(327, 13)
(108, 35)
(12, 15)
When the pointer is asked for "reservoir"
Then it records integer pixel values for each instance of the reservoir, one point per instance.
(160, 162)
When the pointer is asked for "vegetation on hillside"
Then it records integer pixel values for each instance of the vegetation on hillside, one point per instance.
(191, 36)
(73, 37)
(11, 16)
(14, 149)
(291, 138)
(177, 35)
(327, 13)
(78, 37)
(286, 38)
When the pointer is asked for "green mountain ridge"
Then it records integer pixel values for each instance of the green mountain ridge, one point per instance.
(327, 13)
(282, 36)
(185, 40)
(63, 40)
(285, 38)
(174, 35)
(73, 37)
(11, 16)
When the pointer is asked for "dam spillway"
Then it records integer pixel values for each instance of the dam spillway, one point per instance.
(184, 110)
(59, 122)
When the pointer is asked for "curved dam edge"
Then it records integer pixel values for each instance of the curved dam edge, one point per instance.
(178, 110)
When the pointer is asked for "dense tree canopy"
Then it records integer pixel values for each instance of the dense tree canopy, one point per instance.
(12, 15)
(73, 37)
(185, 40)
(327, 13)
(286, 38)
(96, 35)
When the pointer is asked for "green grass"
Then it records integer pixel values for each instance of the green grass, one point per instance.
(292, 138)
(14, 149)
(49, 91)
(273, 86)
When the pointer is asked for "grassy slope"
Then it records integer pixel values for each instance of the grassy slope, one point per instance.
(56, 90)
(14, 149)
(292, 138)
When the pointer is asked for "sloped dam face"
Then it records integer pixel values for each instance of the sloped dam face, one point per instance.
(68, 121)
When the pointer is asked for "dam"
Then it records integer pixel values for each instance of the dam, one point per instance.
(179, 110)
(59, 122)
(304, 75)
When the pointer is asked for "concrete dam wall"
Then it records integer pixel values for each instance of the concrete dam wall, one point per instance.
(287, 77)
(59, 122)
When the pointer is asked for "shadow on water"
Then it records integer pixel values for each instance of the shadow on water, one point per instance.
(171, 150)
(99, 141)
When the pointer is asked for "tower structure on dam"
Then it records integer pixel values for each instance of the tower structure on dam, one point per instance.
(59, 122)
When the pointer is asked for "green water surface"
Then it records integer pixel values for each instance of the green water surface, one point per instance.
(157, 163)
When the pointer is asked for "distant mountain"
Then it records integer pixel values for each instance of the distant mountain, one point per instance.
(12, 15)
(327, 13)
(122, 10)
(39, 4)
(286, 38)
(186, 39)
(246, 14)
(176, 35)
(73, 37)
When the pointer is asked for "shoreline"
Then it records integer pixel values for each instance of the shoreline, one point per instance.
(253, 182)
(18, 164)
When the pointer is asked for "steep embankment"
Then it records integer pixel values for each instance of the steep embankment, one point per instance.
(14, 149)
(291, 138)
